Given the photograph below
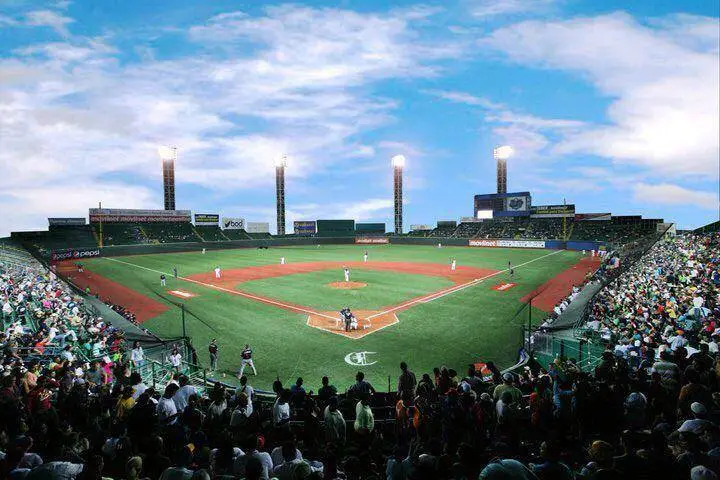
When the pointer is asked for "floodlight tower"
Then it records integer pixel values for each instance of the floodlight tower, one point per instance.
(280, 165)
(168, 155)
(398, 162)
(501, 154)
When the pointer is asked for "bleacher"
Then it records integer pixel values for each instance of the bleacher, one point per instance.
(236, 234)
(210, 233)
(170, 232)
(618, 230)
(122, 234)
(58, 237)
(259, 236)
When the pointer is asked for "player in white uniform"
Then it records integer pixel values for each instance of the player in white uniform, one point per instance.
(246, 359)
(282, 260)
(217, 271)
(346, 270)
(365, 256)
(453, 265)
(203, 251)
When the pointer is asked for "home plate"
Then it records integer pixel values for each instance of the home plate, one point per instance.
(501, 287)
(181, 293)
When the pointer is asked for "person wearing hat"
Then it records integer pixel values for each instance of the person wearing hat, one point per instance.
(701, 472)
(507, 386)
(699, 423)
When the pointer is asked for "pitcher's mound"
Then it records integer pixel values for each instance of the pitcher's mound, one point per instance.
(347, 285)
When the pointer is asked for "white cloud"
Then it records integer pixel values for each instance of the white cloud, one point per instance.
(71, 112)
(48, 18)
(669, 194)
(529, 135)
(485, 9)
(8, 21)
(466, 98)
(662, 80)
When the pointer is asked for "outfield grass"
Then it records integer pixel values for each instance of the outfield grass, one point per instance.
(473, 324)
(311, 289)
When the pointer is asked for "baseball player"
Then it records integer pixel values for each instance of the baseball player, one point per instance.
(365, 256)
(346, 270)
(282, 260)
(162, 280)
(453, 264)
(246, 359)
(217, 271)
(175, 272)
(203, 251)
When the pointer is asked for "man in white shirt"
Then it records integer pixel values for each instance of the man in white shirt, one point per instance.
(183, 394)
(166, 409)
(67, 354)
(286, 469)
(138, 386)
(251, 451)
(137, 356)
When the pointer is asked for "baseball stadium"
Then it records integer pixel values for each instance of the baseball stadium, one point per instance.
(302, 242)
(455, 293)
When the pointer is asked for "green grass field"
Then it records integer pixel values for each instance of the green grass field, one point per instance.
(473, 324)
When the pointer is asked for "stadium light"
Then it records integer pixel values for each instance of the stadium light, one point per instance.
(398, 161)
(502, 153)
(280, 164)
(167, 153)
(281, 161)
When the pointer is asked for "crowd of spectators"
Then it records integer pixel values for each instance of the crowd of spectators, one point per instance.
(652, 414)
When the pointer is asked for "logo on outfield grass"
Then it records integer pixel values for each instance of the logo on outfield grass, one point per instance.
(359, 359)
(501, 287)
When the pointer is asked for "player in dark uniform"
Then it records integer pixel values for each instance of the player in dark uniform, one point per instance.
(162, 279)
(347, 317)
(175, 271)
(213, 351)
(246, 359)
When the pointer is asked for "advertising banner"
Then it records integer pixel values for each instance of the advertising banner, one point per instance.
(552, 211)
(371, 240)
(482, 243)
(233, 223)
(304, 227)
(521, 243)
(489, 242)
(418, 228)
(584, 217)
(470, 220)
(258, 227)
(207, 219)
(66, 221)
(119, 215)
(74, 254)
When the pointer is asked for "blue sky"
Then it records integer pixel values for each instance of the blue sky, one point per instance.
(613, 106)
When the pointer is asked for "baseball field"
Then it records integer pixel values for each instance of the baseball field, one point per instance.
(409, 304)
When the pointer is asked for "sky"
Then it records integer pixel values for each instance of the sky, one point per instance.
(611, 105)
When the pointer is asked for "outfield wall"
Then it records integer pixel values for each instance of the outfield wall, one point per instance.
(123, 250)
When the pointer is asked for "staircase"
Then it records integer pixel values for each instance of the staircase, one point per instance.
(197, 234)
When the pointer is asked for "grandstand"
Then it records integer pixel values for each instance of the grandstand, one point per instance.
(523, 413)
(210, 234)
